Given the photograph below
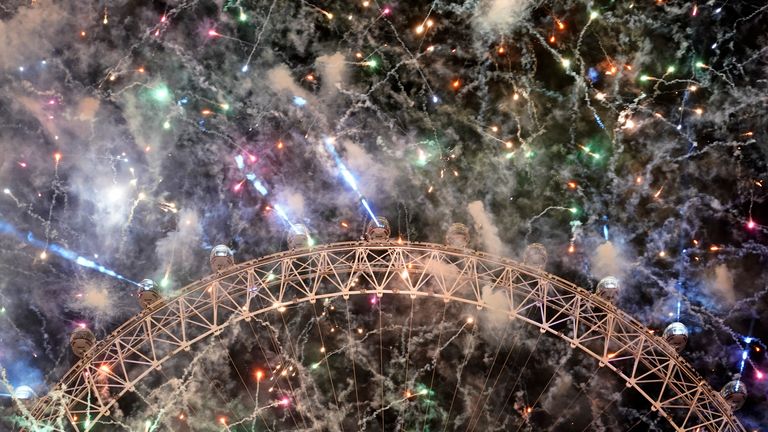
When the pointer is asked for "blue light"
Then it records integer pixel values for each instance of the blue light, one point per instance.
(259, 187)
(748, 339)
(244, 68)
(283, 215)
(599, 121)
(605, 232)
(67, 254)
(240, 162)
(593, 74)
(370, 212)
(349, 178)
(299, 101)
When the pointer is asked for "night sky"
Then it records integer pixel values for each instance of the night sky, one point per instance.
(629, 138)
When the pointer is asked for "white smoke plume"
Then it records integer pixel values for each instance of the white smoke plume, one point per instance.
(484, 226)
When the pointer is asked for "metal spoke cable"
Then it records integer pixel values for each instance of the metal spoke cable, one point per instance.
(520, 375)
(488, 376)
(458, 378)
(354, 371)
(327, 365)
(600, 414)
(434, 368)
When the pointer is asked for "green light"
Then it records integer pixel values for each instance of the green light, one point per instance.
(225, 106)
(166, 125)
(161, 93)
(315, 366)
(596, 155)
(699, 64)
(670, 69)
(566, 63)
(243, 16)
(2, 309)
(573, 210)
(509, 155)
(310, 241)
(422, 160)
(164, 282)
(593, 15)
(530, 154)
(644, 78)
(271, 277)
(372, 63)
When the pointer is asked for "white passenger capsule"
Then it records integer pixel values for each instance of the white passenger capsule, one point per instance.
(148, 293)
(676, 334)
(457, 236)
(378, 230)
(735, 393)
(24, 392)
(535, 256)
(298, 237)
(81, 341)
(608, 288)
(221, 258)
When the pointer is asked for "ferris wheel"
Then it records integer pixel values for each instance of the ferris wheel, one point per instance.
(378, 334)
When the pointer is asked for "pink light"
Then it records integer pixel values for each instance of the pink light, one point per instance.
(386, 11)
(238, 186)
(81, 325)
(284, 402)
(252, 158)
(163, 19)
(213, 33)
(759, 374)
(374, 300)
(751, 224)
(22, 164)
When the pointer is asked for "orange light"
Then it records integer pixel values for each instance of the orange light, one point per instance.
(104, 368)
(280, 144)
(560, 25)
(82, 33)
(344, 224)
(57, 156)
(205, 112)
(572, 184)
(714, 248)
(501, 50)
(552, 39)
(456, 84)
(571, 248)
(259, 375)
(223, 420)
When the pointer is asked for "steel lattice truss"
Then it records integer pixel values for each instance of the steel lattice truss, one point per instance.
(267, 285)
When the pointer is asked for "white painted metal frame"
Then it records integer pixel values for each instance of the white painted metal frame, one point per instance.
(266, 285)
